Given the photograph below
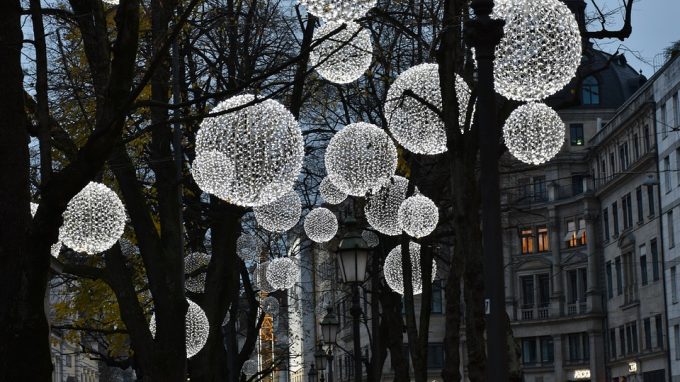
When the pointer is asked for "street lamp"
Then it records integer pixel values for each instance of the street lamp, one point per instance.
(320, 357)
(329, 330)
(312, 374)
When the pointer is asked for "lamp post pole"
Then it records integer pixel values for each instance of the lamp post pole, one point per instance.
(356, 314)
(329, 356)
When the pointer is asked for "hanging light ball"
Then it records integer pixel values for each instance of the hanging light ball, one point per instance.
(360, 157)
(281, 273)
(34, 209)
(394, 271)
(338, 10)
(263, 141)
(55, 249)
(343, 57)
(321, 225)
(330, 193)
(192, 263)
(280, 215)
(249, 368)
(261, 281)
(540, 49)
(418, 215)
(248, 247)
(534, 133)
(94, 220)
(370, 238)
(412, 122)
(212, 171)
(382, 206)
(197, 328)
(270, 305)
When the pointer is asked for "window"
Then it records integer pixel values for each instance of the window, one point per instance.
(676, 110)
(603, 170)
(619, 279)
(674, 286)
(543, 240)
(676, 334)
(648, 333)
(605, 224)
(636, 146)
(645, 131)
(677, 164)
(612, 343)
(437, 296)
(576, 134)
(576, 184)
(667, 173)
(610, 283)
(629, 340)
(435, 356)
(627, 206)
(638, 199)
(650, 199)
(530, 351)
(570, 238)
(643, 264)
(634, 335)
(523, 188)
(543, 290)
(623, 155)
(582, 232)
(527, 283)
(662, 121)
(612, 164)
(547, 349)
(615, 215)
(590, 91)
(655, 260)
(622, 340)
(659, 331)
(577, 285)
(671, 230)
(527, 237)
(529, 355)
(579, 347)
(540, 192)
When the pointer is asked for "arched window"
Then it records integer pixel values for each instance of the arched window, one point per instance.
(590, 91)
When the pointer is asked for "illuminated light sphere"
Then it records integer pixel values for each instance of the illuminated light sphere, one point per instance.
(343, 57)
(192, 263)
(212, 171)
(338, 10)
(534, 133)
(197, 328)
(412, 122)
(394, 272)
(330, 193)
(111, 2)
(360, 157)
(263, 141)
(261, 281)
(55, 249)
(321, 225)
(248, 247)
(281, 273)
(370, 238)
(280, 215)
(382, 206)
(94, 220)
(270, 305)
(249, 368)
(34, 209)
(418, 215)
(540, 49)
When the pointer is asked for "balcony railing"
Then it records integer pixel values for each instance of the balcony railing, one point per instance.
(533, 312)
(578, 307)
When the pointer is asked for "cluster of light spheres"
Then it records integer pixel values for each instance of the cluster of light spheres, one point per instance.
(371, 238)
(338, 10)
(249, 368)
(93, 221)
(534, 133)
(192, 263)
(212, 171)
(248, 247)
(418, 215)
(344, 56)
(320, 225)
(360, 157)
(197, 328)
(280, 215)
(412, 122)
(382, 206)
(394, 271)
(270, 305)
(282, 273)
(261, 281)
(540, 49)
(330, 193)
(263, 141)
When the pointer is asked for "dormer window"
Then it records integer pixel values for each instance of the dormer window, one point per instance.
(590, 91)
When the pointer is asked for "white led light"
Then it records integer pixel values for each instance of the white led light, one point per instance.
(370, 238)
(281, 214)
(270, 305)
(248, 247)
(394, 272)
(192, 263)
(197, 328)
(338, 10)
(382, 206)
(212, 171)
(330, 193)
(34, 209)
(418, 215)
(534, 133)
(249, 368)
(320, 225)
(282, 273)
(343, 57)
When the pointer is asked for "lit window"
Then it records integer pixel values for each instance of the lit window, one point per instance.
(543, 241)
(527, 241)
(576, 134)
(590, 91)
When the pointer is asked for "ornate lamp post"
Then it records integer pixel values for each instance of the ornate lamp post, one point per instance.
(320, 359)
(329, 329)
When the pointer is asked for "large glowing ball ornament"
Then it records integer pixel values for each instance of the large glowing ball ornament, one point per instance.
(371, 238)
(394, 272)
(93, 221)
(418, 215)
(249, 368)
(194, 262)
(540, 49)
(248, 247)
(534, 133)
(270, 305)
(411, 118)
(280, 215)
(197, 328)
(212, 171)
(264, 143)
(338, 10)
(330, 193)
(281, 273)
(382, 206)
(360, 157)
(320, 225)
(344, 56)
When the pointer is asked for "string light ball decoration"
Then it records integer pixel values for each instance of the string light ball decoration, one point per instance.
(263, 141)
(93, 220)
(330, 193)
(192, 263)
(413, 123)
(370, 238)
(394, 271)
(55, 249)
(212, 171)
(248, 247)
(540, 49)
(197, 328)
(382, 206)
(534, 133)
(249, 368)
(280, 215)
(320, 225)
(281, 273)
(338, 10)
(360, 157)
(270, 305)
(343, 57)
(111, 2)
(418, 215)
(34, 209)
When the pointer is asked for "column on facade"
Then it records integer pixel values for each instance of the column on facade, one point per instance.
(510, 294)
(557, 296)
(592, 292)
(597, 355)
(559, 357)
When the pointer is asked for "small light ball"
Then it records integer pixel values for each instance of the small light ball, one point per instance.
(382, 206)
(343, 57)
(94, 220)
(270, 305)
(249, 368)
(360, 157)
(212, 171)
(330, 193)
(418, 215)
(338, 10)
(34, 209)
(281, 273)
(534, 133)
(192, 263)
(197, 328)
(412, 122)
(370, 238)
(248, 247)
(280, 215)
(540, 49)
(263, 141)
(321, 225)
(394, 271)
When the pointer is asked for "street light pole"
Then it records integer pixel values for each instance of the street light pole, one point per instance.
(329, 356)
(484, 33)
(355, 311)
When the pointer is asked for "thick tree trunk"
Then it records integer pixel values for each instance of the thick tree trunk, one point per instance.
(392, 327)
